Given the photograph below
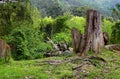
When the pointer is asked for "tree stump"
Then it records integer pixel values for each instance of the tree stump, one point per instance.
(93, 37)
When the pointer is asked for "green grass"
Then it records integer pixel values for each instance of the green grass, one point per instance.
(39, 69)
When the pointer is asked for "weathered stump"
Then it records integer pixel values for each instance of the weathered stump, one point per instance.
(77, 40)
(5, 51)
(93, 37)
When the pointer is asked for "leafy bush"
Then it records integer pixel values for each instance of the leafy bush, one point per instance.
(107, 26)
(47, 26)
(60, 24)
(77, 22)
(26, 43)
(62, 37)
(115, 36)
(12, 14)
(20, 29)
(50, 26)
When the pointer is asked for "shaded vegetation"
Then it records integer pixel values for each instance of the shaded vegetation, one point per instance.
(116, 33)
(116, 11)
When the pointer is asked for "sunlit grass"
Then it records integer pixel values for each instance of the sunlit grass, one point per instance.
(38, 69)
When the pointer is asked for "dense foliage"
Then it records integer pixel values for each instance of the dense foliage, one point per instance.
(22, 26)
(11, 15)
(48, 7)
(115, 37)
(27, 44)
(116, 12)
(58, 7)
(107, 26)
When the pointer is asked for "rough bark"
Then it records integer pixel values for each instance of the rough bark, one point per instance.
(93, 37)
(93, 30)
(5, 50)
(76, 38)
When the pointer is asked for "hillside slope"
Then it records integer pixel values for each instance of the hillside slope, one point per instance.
(104, 6)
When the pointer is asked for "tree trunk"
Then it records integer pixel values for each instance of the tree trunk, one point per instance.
(93, 38)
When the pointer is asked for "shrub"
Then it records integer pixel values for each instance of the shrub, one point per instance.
(47, 26)
(20, 29)
(62, 37)
(115, 36)
(107, 26)
(12, 14)
(26, 43)
(77, 22)
(50, 26)
(60, 24)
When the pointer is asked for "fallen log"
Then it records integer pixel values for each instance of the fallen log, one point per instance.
(85, 60)
(58, 49)
(113, 47)
(89, 61)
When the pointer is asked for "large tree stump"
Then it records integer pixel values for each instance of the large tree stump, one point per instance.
(93, 37)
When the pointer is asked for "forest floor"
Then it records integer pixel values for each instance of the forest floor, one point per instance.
(105, 65)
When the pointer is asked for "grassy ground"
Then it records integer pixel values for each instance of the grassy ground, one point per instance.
(56, 68)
